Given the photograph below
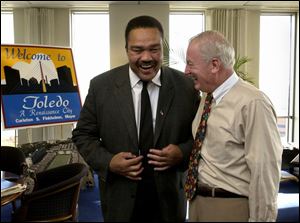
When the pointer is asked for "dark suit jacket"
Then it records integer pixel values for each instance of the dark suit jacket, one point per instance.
(107, 126)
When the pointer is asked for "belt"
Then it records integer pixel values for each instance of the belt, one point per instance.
(207, 191)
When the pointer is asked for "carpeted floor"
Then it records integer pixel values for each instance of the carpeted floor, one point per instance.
(89, 204)
(288, 202)
(90, 211)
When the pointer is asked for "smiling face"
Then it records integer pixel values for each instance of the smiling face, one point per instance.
(198, 69)
(144, 51)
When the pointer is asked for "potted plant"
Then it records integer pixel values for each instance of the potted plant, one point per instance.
(239, 61)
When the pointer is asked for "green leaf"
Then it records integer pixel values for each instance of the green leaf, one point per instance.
(239, 62)
(178, 54)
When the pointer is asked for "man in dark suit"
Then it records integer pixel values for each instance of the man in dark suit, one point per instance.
(139, 182)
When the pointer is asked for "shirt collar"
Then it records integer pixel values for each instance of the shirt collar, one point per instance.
(134, 79)
(156, 78)
(219, 93)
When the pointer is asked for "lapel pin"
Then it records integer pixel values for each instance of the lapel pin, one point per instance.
(161, 113)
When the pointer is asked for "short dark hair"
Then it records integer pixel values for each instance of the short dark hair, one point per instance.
(143, 22)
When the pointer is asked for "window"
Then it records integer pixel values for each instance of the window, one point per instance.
(7, 27)
(183, 26)
(276, 73)
(8, 137)
(90, 45)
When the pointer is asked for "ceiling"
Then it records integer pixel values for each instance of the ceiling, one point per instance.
(179, 4)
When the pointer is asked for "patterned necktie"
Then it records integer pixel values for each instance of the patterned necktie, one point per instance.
(191, 181)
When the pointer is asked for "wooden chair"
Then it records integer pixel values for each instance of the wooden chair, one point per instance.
(55, 195)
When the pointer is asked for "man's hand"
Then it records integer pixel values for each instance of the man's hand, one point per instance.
(127, 164)
(165, 158)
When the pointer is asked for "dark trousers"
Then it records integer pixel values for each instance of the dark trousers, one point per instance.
(146, 207)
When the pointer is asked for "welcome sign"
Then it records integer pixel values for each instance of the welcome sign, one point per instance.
(38, 86)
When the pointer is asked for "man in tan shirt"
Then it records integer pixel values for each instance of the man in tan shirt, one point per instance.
(239, 168)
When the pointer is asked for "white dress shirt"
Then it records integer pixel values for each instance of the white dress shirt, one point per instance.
(242, 149)
(136, 90)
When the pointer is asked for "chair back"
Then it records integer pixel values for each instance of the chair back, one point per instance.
(55, 195)
(12, 160)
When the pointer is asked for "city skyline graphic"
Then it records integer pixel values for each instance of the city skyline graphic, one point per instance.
(39, 76)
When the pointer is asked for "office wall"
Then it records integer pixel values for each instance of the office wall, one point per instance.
(19, 25)
(249, 36)
(120, 16)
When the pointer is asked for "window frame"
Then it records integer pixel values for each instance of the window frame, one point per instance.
(291, 110)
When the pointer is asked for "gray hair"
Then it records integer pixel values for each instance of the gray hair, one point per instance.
(214, 44)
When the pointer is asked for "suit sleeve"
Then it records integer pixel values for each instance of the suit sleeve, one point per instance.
(87, 134)
(187, 146)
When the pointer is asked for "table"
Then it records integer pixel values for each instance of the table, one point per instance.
(6, 183)
(10, 198)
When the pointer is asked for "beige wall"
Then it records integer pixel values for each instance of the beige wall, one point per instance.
(249, 23)
(19, 25)
(120, 16)
(62, 27)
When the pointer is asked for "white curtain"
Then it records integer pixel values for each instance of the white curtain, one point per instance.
(47, 26)
(39, 26)
(226, 21)
(39, 29)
